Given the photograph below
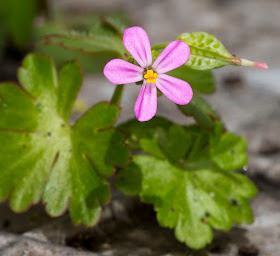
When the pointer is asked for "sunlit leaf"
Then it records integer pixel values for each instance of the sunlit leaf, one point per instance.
(195, 191)
(193, 202)
(43, 156)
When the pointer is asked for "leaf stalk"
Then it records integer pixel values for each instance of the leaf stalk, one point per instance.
(117, 95)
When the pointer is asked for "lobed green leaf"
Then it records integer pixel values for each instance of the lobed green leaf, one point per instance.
(194, 201)
(44, 157)
(193, 187)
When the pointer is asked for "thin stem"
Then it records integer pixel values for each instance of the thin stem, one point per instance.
(117, 96)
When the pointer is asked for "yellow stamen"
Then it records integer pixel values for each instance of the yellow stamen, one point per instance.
(151, 76)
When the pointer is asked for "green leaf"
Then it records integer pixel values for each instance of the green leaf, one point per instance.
(229, 152)
(129, 180)
(193, 202)
(18, 17)
(201, 111)
(174, 142)
(44, 156)
(87, 42)
(90, 62)
(196, 189)
(17, 110)
(151, 147)
(206, 51)
(68, 89)
(136, 130)
(118, 22)
(201, 81)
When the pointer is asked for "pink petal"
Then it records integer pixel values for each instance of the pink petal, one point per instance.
(177, 90)
(146, 104)
(173, 56)
(119, 71)
(137, 43)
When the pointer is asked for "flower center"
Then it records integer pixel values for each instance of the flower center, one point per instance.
(151, 76)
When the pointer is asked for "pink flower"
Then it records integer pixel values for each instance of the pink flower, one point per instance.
(119, 71)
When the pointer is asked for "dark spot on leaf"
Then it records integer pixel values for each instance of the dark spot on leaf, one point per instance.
(250, 250)
(55, 159)
(38, 105)
(207, 214)
(233, 202)
(62, 125)
(172, 209)
(49, 134)
(24, 146)
(204, 221)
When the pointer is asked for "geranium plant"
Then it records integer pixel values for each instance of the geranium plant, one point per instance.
(189, 173)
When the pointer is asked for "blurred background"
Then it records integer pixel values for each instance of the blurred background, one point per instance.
(248, 99)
